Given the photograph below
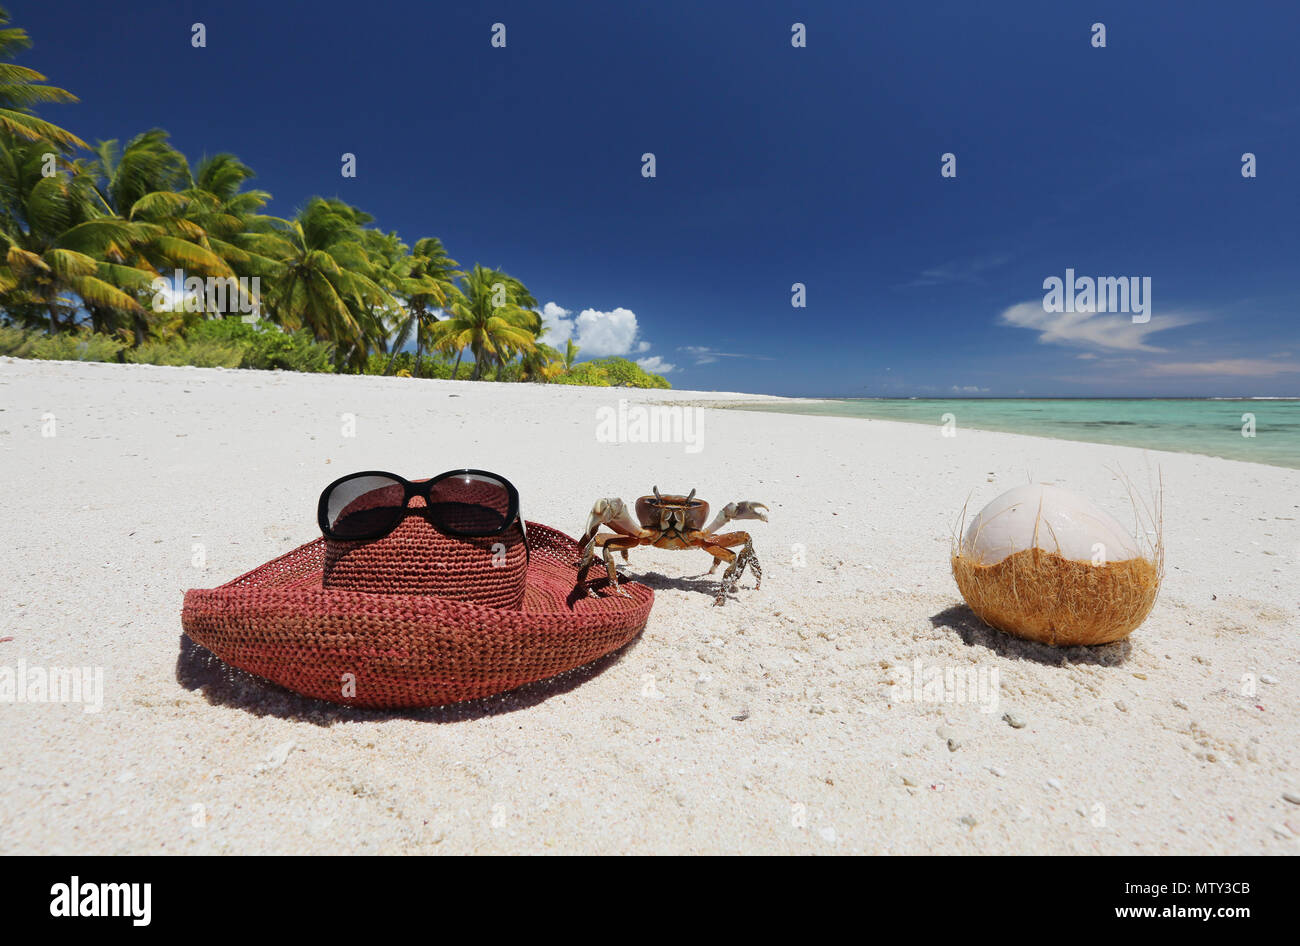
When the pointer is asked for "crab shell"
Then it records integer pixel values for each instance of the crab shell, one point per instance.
(672, 512)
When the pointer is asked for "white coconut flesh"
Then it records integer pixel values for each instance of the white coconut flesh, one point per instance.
(1049, 518)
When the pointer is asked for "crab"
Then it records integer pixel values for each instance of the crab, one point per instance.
(671, 522)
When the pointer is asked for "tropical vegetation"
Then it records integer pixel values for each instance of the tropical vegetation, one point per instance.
(111, 252)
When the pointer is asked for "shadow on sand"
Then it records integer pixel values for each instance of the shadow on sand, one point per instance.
(197, 668)
(975, 633)
(702, 584)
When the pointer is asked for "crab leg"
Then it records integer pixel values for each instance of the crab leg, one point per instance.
(717, 546)
(607, 544)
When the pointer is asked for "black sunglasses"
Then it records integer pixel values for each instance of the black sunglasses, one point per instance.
(369, 505)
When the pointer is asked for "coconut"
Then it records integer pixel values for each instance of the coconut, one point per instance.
(1046, 564)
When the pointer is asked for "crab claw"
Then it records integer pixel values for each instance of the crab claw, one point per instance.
(612, 512)
(742, 510)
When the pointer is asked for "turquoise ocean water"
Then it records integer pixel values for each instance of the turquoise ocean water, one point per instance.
(1211, 427)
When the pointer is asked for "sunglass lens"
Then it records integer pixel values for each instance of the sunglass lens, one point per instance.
(470, 504)
(365, 506)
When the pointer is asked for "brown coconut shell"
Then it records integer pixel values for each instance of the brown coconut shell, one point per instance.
(1042, 596)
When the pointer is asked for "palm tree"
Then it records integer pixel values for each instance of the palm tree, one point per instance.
(19, 91)
(428, 285)
(571, 350)
(543, 363)
(491, 318)
(390, 261)
(147, 164)
(210, 211)
(422, 279)
(60, 253)
(323, 279)
(149, 184)
(218, 205)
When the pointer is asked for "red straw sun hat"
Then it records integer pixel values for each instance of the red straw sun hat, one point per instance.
(418, 617)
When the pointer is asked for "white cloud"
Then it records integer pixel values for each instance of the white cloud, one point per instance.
(1091, 330)
(1240, 367)
(970, 389)
(958, 271)
(605, 333)
(655, 365)
(707, 356)
(557, 327)
(599, 334)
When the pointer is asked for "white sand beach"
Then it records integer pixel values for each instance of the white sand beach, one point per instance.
(777, 723)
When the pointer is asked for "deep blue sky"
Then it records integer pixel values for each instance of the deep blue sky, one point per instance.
(776, 165)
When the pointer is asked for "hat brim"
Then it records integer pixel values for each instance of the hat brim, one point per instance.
(385, 650)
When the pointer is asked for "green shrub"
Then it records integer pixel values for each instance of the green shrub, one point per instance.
(12, 338)
(203, 353)
(377, 363)
(211, 354)
(587, 373)
(222, 330)
(70, 346)
(612, 372)
(440, 368)
(267, 347)
(432, 365)
(304, 353)
(628, 374)
(157, 353)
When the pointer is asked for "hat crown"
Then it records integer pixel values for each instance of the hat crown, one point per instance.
(417, 559)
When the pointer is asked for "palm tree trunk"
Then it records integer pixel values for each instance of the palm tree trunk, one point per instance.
(460, 353)
(419, 346)
(480, 363)
(396, 351)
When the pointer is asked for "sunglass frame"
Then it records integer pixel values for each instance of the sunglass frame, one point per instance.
(422, 489)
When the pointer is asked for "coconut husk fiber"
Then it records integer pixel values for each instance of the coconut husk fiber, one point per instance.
(1045, 597)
